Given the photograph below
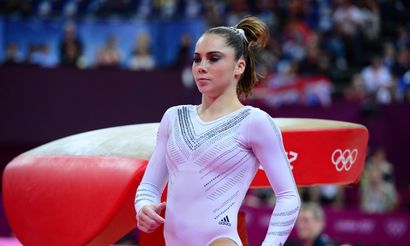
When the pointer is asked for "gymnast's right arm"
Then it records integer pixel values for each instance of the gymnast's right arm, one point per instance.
(148, 196)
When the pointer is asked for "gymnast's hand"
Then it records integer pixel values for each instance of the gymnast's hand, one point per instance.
(149, 219)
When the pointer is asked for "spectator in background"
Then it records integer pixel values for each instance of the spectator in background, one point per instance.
(141, 57)
(296, 32)
(13, 54)
(109, 55)
(404, 87)
(31, 50)
(184, 55)
(349, 20)
(310, 225)
(71, 48)
(43, 56)
(296, 25)
(401, 72)
(70, 8)
(44, 9)
(389, 55)
(191, 8)
(268, 57)
(294, 47)
(287, 73)
(378, 81)
(377, 191)
(213, 12)
(167, 9)
(183, 62)
(335, 47)
(265, 10)
(316, 61)
(356, 92)
(403, 38)
(378, 160)
(237, 9)
(402, 64)
(370, 13)
(144, 9)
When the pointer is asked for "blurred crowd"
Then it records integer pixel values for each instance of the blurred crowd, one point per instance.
(361, 47)
(122, 9)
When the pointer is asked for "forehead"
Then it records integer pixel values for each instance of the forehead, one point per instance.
(212, 42)
(306, 214)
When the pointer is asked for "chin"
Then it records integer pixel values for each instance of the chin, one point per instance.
(203, 88)
(200, 89)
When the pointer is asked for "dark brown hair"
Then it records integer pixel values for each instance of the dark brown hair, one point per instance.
(257, 35)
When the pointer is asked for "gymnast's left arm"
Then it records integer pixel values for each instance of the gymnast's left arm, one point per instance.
(266, 141)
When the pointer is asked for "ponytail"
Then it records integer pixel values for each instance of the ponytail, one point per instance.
(257, 34)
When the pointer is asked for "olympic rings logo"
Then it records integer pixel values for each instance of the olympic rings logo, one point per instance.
(343, 160)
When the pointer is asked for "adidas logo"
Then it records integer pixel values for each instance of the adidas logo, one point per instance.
(225, 221)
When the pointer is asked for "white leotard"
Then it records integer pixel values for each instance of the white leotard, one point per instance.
(209, 167)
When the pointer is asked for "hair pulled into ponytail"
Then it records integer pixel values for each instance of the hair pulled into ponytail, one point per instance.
(257, 36)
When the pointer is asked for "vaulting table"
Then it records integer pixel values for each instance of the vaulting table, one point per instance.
(79, 190)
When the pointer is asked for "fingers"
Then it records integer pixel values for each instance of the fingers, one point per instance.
(153, 215)
(149, 219)
(144, 226)
(160, 207)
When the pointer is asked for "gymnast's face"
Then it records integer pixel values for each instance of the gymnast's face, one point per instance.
(214, 67)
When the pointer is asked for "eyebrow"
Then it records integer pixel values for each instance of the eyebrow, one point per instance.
(211, 53)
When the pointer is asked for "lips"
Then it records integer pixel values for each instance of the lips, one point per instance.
(202, 79)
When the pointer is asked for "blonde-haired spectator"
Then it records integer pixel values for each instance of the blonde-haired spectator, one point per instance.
(141, 57)
(109, 54)
(377, 191)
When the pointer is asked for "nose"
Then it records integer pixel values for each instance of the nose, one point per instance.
(202, 67)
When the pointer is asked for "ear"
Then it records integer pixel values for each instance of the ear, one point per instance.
(240, 67)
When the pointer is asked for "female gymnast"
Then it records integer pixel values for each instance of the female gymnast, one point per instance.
(209, 153)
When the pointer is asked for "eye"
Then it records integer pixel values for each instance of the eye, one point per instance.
(196, 59)
(214, 58)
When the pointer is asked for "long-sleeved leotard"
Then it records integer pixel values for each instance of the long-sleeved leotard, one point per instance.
(209, 167)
